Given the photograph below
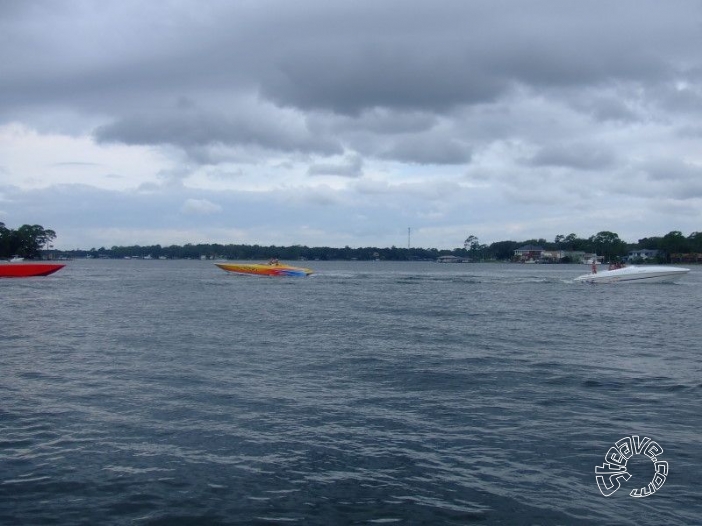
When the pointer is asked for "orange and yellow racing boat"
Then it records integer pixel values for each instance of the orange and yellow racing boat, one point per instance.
(270, 269)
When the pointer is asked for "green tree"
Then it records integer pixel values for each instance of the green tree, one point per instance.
(674, 243)
(695, 240)
(503, 250)
(573, 242)
(650, 243)
(27, 241)
(474, 248)
(4, 240)
(608, 245)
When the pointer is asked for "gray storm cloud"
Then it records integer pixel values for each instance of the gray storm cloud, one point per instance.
(511, 101)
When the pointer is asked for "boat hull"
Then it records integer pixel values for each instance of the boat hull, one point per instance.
(633, 274)
(265, 270)
(28, 270)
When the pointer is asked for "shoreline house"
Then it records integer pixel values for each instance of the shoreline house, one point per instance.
(553, 256)
(589, 259)
(452, 259)
(642, 255)
(528, 254)
(537, 254)
(689, 257)
(575, 256)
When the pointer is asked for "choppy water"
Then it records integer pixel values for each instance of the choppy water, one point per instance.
(170, 392)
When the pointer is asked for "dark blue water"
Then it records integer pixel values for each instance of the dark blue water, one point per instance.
(171, 392)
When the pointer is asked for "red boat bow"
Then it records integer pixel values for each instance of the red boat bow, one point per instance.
(26, 270)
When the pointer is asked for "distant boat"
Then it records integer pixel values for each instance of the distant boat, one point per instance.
(634, 274)
(271, 269)
(27, 270)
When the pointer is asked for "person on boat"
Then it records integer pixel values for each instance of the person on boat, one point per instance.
(274, 261)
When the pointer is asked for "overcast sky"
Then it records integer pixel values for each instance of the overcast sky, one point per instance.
(347, 122)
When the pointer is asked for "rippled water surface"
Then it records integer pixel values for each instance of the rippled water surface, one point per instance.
(171, 392)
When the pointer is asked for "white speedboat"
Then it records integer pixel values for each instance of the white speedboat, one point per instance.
(634, 274)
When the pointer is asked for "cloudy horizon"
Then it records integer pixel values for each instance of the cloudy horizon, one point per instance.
(346, 123)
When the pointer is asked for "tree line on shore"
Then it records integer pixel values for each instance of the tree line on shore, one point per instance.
(605, 243)
(33, 241)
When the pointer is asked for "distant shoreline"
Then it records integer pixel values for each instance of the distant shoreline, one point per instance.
(604, 246)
